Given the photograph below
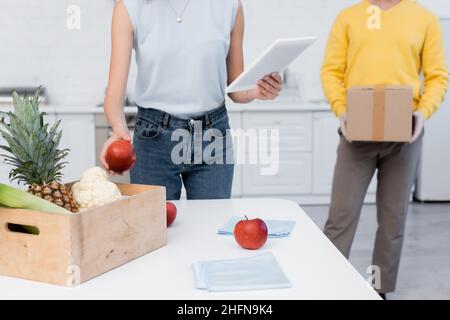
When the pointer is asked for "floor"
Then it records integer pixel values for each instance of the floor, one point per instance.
(425, 267)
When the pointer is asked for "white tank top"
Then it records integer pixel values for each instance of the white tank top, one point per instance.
(181, 67)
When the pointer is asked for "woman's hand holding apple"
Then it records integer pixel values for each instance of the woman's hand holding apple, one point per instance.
(117, 135)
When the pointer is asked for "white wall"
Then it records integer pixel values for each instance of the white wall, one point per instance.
(37, 48)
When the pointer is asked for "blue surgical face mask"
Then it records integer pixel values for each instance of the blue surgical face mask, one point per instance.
(254, 273)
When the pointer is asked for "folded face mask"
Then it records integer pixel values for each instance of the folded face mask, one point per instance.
(254, 273)
(275, 228)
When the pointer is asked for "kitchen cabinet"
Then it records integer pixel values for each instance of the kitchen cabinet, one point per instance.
(325, 144)
(79, 137)
(289, 158)
(292, 179)
(307, 155)
(4, 168)
(326, 141)
(235, 119)
(294, 128)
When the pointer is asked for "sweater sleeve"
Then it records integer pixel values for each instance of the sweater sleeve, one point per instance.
(434, 69)
(334, 66)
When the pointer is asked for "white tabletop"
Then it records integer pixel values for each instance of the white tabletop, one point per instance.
(313, 265)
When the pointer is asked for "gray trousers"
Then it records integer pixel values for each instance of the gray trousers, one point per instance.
(397, 165)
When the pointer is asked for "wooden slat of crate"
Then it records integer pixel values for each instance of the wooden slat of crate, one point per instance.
(42, 257)
(114, 234)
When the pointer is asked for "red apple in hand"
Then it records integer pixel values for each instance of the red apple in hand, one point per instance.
(120, 156)
(171, 213)
(251, 234)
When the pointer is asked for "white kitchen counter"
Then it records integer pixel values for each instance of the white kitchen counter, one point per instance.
(231, 107)
(314, 266)
(286, 102)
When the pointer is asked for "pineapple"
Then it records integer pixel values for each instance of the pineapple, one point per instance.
(33, 151)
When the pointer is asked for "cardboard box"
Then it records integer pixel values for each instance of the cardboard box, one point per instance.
(380, 113)
(72, 249)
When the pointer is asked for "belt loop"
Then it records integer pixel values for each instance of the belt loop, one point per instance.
(166, 120)
(207, 120)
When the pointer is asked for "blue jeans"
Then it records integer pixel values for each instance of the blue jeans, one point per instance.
(194, 151)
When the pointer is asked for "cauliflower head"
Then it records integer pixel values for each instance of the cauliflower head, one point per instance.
(94, 189)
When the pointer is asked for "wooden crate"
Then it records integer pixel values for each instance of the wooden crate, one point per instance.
(72, 249)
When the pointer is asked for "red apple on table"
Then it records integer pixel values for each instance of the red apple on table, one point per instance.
(251, 234)
(120, 156)
(171, 213)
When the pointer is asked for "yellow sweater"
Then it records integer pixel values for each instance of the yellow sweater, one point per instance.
(407, 42)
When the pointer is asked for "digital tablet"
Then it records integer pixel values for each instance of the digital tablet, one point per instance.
(276, 58)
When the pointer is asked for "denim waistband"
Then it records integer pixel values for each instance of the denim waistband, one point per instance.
(168, 120)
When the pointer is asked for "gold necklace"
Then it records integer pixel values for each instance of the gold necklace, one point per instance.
(179, 15)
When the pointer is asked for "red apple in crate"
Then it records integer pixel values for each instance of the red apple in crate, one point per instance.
(171, 213)
(251, 234)
(120, 156)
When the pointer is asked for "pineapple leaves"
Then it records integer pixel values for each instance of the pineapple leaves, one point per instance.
(32, 144)
(7, 149)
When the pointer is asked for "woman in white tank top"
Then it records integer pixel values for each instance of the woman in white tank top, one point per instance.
(187, 51)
